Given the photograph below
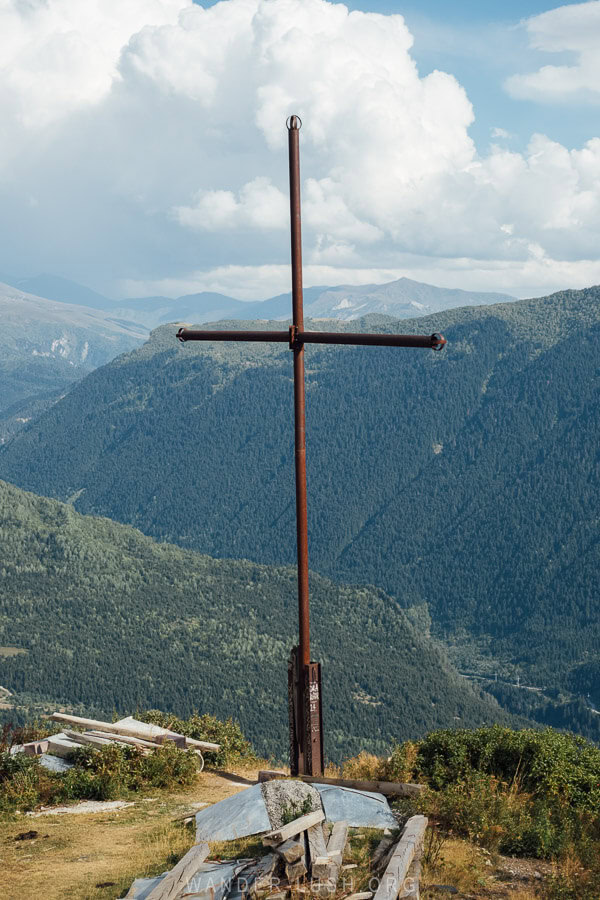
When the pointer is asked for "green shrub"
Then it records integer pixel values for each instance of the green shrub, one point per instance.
(526, 793)
(234, 746)
(546, 763)
(104, 774)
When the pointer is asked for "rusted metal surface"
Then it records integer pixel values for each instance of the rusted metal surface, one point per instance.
(296, 337)
(188, 334)
(304, 676)
(294, 125)
(293, 704)
(313, 720)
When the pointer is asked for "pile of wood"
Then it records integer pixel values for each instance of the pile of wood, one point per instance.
(128, 731)
(302, 846)
(314, 852)
(312, 856)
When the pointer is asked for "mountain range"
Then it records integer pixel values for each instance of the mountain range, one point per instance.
(403, 298)
(465, 480)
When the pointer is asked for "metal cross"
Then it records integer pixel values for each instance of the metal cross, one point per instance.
(304, 676)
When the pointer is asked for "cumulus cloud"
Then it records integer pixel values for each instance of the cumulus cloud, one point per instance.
(146, 150)
(259, 205)
(575, 29)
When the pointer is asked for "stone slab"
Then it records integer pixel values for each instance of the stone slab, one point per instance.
(237, 816)
(360, 809)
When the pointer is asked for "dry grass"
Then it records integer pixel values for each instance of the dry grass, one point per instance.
(74, 854)
(364, 767)
(472, 871)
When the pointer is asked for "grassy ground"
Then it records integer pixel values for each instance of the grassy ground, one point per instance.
(89, 857)
(74, 854)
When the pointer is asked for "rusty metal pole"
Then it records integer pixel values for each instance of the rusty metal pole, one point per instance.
(305, 704)
(299, 403)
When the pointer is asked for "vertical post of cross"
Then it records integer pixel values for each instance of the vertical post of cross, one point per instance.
(306, 732)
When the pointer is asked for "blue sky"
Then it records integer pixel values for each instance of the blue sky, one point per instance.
(144, 143)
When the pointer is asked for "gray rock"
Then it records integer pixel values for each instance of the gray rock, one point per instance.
(292, 796)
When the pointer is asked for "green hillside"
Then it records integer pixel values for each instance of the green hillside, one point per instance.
(466, 480)
(109, 619)
(45, 347)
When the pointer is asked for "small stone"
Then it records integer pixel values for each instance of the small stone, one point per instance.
(488, 862)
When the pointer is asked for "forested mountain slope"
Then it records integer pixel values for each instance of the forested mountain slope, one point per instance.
(45, 347)
(466, 479)
(112, 620)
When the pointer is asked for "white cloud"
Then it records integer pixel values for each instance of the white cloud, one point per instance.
(532, 277)
(60, 55)
(575, 29)
(146, 144)
(501, 133)
(259, 205)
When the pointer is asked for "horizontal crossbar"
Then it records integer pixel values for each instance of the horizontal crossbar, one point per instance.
(296, 338)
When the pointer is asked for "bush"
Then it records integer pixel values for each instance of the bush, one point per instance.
(104, 774)
(527, 793)
(234, 746)
(548, 764)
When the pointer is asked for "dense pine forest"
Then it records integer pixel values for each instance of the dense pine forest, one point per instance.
(97, 616)
(465, 482)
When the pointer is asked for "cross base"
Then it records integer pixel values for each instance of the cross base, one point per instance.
(305, 717)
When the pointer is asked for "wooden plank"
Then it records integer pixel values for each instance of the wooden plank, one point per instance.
(132, 728)
(125, 739)
(320, 868)
(279, 835)
(158, 734)
(297, 870)
(89, 739)
(326, 870)
(396, 872)
(337, 842)
(265, 870)
(290, 850)
(174, 884)
(388, 788)
(315, 838)
(411, 888)
(382, 850)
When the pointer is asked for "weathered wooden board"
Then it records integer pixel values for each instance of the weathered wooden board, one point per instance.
(315, 838)
(326, 871)
(264, 874)
(388, 788)
(290, 850)
(392, 881)
(279, 835)
(174, 884)
(133, 728)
